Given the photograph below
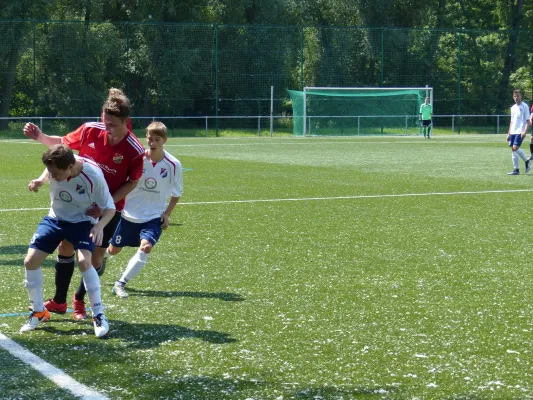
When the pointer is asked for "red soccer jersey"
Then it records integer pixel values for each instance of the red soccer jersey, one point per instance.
(119, 163)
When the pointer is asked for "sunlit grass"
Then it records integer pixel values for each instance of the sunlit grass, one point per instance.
(302, 268)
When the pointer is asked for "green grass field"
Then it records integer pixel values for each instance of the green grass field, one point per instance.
(300, 268)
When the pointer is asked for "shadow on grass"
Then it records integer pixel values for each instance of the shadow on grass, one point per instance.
(20, 251)
(140, 336)
(15, 249)
(203, 295)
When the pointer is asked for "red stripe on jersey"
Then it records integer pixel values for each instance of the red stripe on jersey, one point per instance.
(171, 163)
(86, 177)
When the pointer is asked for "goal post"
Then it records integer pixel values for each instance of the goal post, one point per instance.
(339, 111)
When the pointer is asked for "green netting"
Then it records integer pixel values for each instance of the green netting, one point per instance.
(354, 111)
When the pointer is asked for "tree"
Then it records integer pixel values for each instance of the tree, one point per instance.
(14, 37)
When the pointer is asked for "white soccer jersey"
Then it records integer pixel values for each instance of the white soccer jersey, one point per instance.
(519, 116)
(149, 198)
(71, 198)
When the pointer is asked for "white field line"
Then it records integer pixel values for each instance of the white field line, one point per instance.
(371, 196)
(49, 371)
(278, 142)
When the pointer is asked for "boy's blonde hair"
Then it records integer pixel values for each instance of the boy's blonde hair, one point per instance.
(157, 128)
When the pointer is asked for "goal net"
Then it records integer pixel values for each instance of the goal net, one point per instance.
(357, 111)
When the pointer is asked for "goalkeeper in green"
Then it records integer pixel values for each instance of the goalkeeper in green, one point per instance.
(426, 112)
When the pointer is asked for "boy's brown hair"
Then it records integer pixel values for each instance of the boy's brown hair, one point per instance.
(117, 104)
(60, 156)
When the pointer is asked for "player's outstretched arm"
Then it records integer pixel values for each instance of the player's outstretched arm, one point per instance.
(97, 231)
(34, 132)
(165, 218)
(35, 184)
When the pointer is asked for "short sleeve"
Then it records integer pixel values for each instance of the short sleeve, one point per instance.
(74, 139)
(102, 196)
(137, 166)
(177, 187)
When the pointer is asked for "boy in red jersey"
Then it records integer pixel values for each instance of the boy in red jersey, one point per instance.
(119, 154)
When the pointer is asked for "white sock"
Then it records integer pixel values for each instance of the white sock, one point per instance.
(135, 265)
(521, 154)
(34, 286)
(92, 285)
(515, 160)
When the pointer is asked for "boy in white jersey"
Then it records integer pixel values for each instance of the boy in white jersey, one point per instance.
(517, 132)
(75, 185)
(146, 211)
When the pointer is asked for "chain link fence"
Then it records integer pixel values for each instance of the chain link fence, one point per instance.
(226, 72)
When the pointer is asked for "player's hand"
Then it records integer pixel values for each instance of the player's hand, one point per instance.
(35, 184)
(97, 235)
(32, 131)
(94, 211)
(164, 221)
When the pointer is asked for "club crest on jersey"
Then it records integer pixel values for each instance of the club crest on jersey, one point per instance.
(80, 189)
(65, 196)
(164, 172)
(150, 183)
(117, 158)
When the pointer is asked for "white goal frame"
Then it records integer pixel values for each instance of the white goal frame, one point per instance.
(428, 89)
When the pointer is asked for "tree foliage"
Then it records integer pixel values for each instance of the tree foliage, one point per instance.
(218, 57)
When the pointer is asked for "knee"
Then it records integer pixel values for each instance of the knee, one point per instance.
(65, 249)
(29, 263)
(146, 247)
(84, 265)
(113, 250)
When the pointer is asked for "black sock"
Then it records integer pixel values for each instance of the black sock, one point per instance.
(531, 149)
(64, 270)
(80, 293)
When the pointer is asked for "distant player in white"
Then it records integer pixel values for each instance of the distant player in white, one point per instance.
(146, 212)
(76, 184)
(517, 132)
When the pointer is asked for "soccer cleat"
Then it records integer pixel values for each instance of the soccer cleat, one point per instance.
(79, 313)
(34, 320)
(514, 172)
(58, 308)
(101, 326)
(528, 166)
(119, 290)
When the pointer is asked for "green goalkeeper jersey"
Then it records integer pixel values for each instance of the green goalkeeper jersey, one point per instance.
(426, 111)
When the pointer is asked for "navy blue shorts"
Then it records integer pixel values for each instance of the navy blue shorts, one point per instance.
(515, 140)
(426, 122)
(130, 234)
(50, 232)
